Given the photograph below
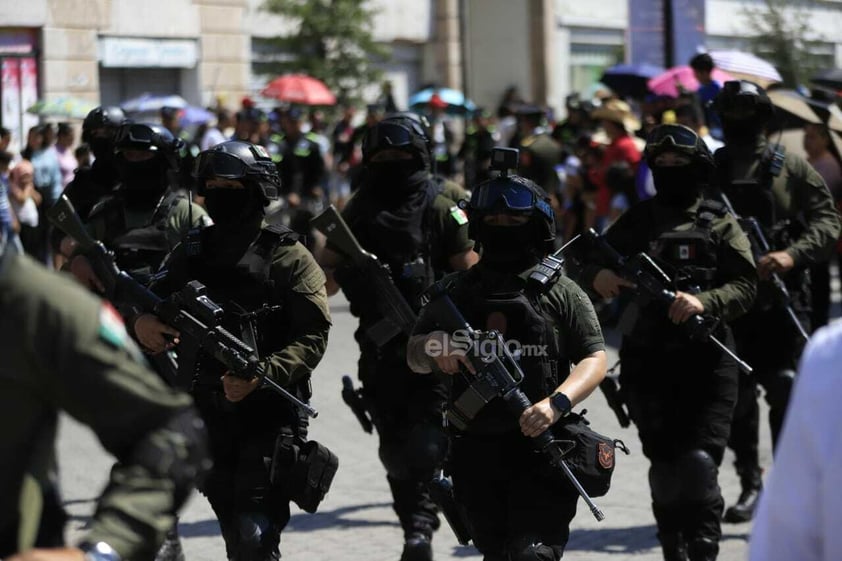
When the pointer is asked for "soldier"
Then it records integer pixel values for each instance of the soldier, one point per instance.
(539, 152)
(796, 213)
(399, 215)
(516, 507)
(272, 291)
(681, 391)
(148, 213)
(65, 350)
(480, 138)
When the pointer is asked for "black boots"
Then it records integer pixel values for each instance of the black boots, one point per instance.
(673, 546)
(702, 549)
(418, 547)
(751, 481)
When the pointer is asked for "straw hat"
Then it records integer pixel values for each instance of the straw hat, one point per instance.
(619, 112)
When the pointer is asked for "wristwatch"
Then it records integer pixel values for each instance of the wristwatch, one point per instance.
(99, 551)
(561, 403)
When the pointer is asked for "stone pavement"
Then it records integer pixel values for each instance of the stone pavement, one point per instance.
(356, 522)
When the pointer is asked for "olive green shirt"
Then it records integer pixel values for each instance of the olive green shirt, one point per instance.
(736, 284)
(63, 349)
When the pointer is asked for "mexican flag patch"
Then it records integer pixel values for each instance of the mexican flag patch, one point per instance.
(111, 327)
(458, 215)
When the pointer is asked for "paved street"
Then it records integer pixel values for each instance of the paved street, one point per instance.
(356, 522)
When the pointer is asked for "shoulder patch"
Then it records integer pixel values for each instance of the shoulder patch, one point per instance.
(112, 330)
(458, 215)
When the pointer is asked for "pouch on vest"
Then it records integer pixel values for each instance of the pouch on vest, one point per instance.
(304, 472)
(591, 458)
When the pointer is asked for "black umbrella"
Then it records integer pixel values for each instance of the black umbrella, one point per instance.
(829, 79)
(630, 79)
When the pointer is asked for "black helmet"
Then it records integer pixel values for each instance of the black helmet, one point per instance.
(404, 131)
(680, 139)
(151, 137)
(515, 195)
(743, 100)
(101, 117)
(235, 159)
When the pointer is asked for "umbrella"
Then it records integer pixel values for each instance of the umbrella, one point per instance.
(456, 101)
(66, 107)
(630, 79)
(797, 108)
(192, 115)
(829, 79)
(746, 66)
(147, 103)
(668, 82)
(299, 88)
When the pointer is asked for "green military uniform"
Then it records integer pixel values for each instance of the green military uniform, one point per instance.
(65, 350)
(796, 212)
(539, 156)
(274, 298)
(681, 392)
(509, 494)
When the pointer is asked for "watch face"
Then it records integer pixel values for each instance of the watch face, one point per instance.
(561, 403)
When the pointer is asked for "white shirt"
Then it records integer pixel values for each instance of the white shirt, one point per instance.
(801, 508)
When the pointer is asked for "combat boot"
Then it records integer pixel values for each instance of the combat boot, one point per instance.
(171, 549)
(673, 546)
(418, 547)
(702, 549)
(751, 481)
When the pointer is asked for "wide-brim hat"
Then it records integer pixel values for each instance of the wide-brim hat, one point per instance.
(619, 112)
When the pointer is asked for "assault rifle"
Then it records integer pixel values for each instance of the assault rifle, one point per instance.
(760, 247)
(189, 310)
(396, 314)
(653, 285)
(496, 377)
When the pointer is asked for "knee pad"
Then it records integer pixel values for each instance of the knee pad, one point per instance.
(778, 389)
(698, 472)
(522, 550)
(665, 483)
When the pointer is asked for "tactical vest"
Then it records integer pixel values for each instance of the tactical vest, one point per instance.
(248, 296)
(530, 331)
(752, 196)
(137, 238)
(689, 258)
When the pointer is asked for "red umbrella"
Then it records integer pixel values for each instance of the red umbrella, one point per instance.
(667, 83)
(299, 88)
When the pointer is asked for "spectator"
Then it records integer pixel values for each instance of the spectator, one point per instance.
(620, 181)
(25, 201)
(386, 99)
(47, 179)
(83, 156)
(5, 139)
(819, 148)
(702, 65)
(618, 122)
(799, 511)
(66, 159)
(8, 220)
(216, 130)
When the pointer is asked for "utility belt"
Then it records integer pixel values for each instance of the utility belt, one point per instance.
(303, 470)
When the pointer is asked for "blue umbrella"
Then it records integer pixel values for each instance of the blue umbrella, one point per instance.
(630, 79)
(150, 102)
(456, 101)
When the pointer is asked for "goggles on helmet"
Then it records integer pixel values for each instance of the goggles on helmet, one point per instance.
(135, 136)
(506, 193)
(388, 135)
(219, 164)
(672, 136)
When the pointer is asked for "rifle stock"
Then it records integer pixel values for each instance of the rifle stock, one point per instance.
(397, 316)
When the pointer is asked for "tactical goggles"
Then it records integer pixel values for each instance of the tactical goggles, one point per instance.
(219, 164)
(135, 136)
(738, 106)
(672, 136)
(507, 193)
(388, 135)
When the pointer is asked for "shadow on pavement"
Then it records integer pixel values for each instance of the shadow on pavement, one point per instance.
(614, 540)
(199, 528)
(304, 522)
